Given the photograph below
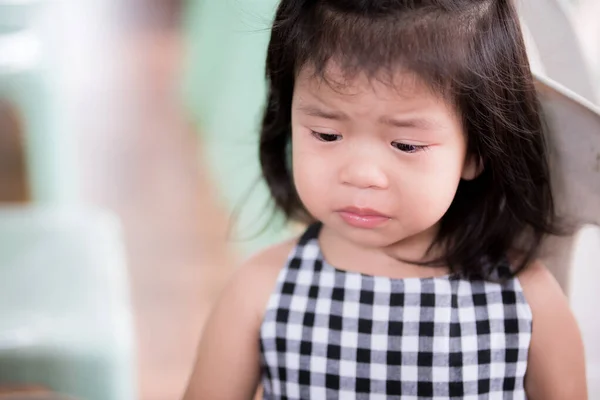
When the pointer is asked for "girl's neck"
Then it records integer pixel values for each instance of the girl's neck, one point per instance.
(386, 261)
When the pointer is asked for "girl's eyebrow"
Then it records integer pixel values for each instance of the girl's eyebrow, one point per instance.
(395, 122)
(315, 111)
(410, 122)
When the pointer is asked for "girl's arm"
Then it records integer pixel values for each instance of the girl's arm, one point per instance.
(556, 369)
(227, 366)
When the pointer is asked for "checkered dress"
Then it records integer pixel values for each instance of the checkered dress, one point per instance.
(332, 334)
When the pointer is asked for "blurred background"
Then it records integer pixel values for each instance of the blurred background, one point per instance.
(129, 179)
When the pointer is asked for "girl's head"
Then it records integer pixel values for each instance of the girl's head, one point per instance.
(422, 110)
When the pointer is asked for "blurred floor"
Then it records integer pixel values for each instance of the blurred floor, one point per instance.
(146, 167)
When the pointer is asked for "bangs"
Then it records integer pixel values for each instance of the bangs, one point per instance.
(429, 42)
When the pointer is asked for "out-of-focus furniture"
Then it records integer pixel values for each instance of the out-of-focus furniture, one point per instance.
(567, 86)
(574, 126)
(30, 393)
(28, 80)
(65, 317)
(583, 294)
(65, 314)
(554, 45)
(13, 166)
(33, 396)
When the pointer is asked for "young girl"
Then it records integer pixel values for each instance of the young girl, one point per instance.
(408, 134)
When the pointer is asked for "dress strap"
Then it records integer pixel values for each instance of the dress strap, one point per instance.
(312, 232)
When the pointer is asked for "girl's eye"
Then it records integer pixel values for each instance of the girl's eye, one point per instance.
(408, 148)
(327, 137)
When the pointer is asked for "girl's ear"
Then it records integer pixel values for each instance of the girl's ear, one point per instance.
(473, 168)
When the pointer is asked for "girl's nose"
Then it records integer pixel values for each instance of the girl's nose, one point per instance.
(364, 173)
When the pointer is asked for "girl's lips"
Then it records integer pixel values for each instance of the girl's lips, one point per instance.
(364, 218)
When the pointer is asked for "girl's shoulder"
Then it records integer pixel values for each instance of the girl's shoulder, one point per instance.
(541, 289)
(556, 356)
(268, 262)
(257, 276)
(535, 275)
(228, 351)
(543, 293)
(539, 284)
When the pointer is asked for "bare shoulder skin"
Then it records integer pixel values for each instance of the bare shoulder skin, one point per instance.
(227, 365)
(556, 365)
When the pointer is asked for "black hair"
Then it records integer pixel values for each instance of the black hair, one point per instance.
(471, 52)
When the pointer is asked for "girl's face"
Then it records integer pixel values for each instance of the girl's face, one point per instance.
(377, 164)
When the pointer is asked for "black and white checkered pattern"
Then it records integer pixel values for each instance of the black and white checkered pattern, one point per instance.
(332, 334)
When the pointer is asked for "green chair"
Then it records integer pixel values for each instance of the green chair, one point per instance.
(65, 314)
(65, 317)
(28, 81)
